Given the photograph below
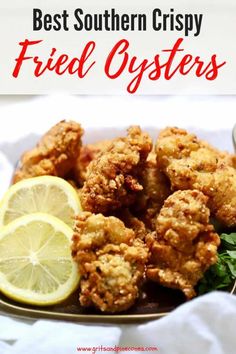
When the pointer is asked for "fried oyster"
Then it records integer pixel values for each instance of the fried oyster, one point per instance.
(190, 163)
(184, 245)
(55, 154)
(113, 177)
(156, 188)
(111, 262)
(88, 153)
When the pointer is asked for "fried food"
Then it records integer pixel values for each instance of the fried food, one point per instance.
(190, 163)
(156, 188)
(87, 154)
(55, 154)
(132, 222)
(111, 262)
(113, 177)
(184, 245)
(146, 232)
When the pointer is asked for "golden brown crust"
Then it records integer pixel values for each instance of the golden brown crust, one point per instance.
(113, 177)
(190, 163)
(185, 244)
(88, 153)
(222, 194)
(132, 222)
(111, 262)
(55, 154)
(156, 188)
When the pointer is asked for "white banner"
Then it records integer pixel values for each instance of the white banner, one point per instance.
(118, 47)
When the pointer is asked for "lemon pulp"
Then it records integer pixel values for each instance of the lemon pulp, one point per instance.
(36, 266)
(47, 194)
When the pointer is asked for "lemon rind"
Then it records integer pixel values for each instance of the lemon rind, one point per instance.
(28, 296)
(74, 201)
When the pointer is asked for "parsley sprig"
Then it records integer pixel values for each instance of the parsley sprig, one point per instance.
(221, 274)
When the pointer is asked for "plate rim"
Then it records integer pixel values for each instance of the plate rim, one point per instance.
(19, 311)
(22, 312)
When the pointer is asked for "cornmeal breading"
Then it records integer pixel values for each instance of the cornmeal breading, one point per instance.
(55, 154)
(132, 222)
(113, 177)
(184, 245)
(156, 188)
(88, 153)
(190, 163)
(111, 262)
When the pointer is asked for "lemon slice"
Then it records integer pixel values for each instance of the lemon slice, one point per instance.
(47, 194)
(36, 266)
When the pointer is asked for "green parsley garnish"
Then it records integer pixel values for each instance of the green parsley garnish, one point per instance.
(223, 273)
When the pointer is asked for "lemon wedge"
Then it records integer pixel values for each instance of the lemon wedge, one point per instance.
(36, 266)
(46, 194)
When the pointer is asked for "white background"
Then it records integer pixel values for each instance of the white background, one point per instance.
(22, 115)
